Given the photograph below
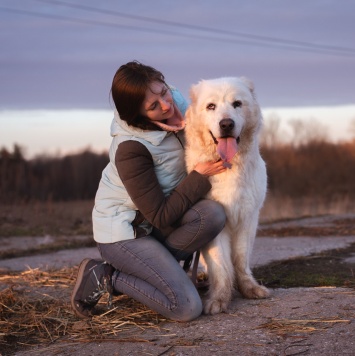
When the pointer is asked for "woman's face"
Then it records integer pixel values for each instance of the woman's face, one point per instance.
(158, 103)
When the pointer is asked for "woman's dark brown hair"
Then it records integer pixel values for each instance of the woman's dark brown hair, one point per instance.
(129, 87)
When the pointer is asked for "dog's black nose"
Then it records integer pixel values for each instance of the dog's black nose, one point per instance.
(226, 124)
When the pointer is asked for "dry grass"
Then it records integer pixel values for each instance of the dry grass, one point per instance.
(46, 218)
(289, 326)
(35, 310)
(279, 208)
(74, 217)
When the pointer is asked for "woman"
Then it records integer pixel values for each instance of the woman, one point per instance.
(149, 214)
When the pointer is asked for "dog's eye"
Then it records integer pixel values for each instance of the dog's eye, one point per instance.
(237, 104)
(211, 106)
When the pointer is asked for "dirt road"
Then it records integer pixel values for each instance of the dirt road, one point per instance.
(294, 321)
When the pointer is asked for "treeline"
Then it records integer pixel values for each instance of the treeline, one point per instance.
(72, 177)
(316, 168)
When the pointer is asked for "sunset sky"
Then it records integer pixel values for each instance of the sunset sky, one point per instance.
(60, 57)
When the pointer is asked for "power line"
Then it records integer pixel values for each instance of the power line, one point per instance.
(107, 24)
(287, 42)
(167, 32)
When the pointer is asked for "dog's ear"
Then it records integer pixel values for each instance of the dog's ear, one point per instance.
(193, 93)
(249, 83)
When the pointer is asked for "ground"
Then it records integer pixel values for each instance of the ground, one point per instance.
(308, 263)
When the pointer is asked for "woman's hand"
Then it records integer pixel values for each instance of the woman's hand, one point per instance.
(210, 168)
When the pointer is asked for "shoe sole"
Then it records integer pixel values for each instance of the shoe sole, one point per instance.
(79, 279)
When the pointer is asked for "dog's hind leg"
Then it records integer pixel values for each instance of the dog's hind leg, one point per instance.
(242, 245)
(217, 256)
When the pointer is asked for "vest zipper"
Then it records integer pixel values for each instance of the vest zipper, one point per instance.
(176, 135)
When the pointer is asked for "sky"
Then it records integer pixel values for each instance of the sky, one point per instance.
(58, 58)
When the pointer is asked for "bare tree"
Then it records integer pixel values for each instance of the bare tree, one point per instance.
(270, 134)
(304, 132)
(352, 127)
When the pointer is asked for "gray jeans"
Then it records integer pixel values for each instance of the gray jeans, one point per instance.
(148, 269)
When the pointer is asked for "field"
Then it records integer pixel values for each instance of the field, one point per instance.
(74, 217)
(34, 304)
(53, 198)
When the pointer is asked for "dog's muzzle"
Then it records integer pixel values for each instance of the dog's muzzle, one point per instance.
(216, 141)
(227, 143)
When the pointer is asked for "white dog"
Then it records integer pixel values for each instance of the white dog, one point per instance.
(223, 122)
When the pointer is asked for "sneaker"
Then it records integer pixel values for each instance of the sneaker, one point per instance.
(94, 279)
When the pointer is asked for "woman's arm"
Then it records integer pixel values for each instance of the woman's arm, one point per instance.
(136, 169)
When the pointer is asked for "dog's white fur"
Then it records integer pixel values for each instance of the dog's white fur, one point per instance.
(240, 189)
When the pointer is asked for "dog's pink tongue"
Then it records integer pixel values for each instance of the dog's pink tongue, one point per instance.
(227, 148)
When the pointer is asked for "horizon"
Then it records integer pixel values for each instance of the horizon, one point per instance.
(69, 131)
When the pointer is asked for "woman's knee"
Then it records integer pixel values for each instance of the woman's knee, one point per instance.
(190, 308)
(218, 213)
(215, 216)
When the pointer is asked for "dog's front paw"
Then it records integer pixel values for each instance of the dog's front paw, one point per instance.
(215, 306)
(252, 290)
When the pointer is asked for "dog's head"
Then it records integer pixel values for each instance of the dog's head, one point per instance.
(224, 112)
